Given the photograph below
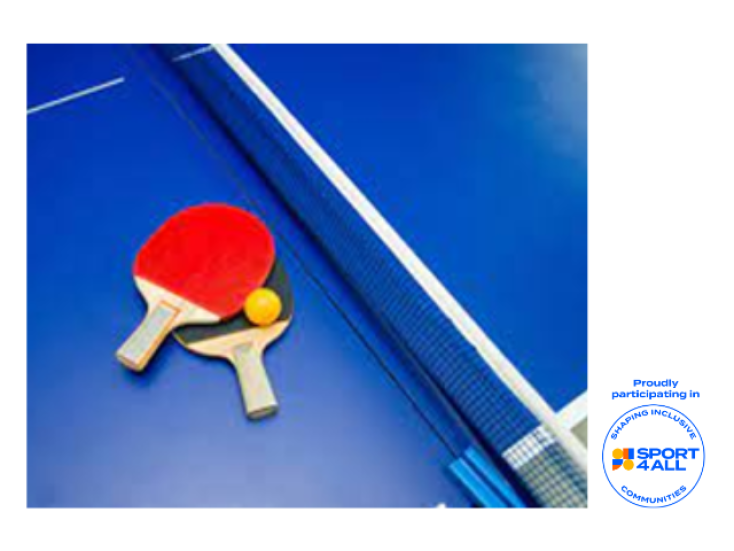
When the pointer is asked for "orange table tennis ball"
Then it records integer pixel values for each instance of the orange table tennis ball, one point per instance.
(263, 306)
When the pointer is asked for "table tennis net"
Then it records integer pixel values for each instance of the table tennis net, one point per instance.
(498, 419)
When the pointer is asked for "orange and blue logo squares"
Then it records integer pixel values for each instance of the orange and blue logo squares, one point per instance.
(623, 458)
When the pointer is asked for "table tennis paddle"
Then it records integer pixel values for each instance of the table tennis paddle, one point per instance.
(243, 343)
(198, 267)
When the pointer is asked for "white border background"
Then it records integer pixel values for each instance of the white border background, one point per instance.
(661, 97)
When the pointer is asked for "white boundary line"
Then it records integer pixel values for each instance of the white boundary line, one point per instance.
(193, 53)
(461, 319)
(574, 412)
(109, 84)
(76, 95)
(532, 444)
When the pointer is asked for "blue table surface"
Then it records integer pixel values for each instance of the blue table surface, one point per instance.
(476, 155)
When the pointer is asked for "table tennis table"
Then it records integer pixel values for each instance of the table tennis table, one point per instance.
(476, 155)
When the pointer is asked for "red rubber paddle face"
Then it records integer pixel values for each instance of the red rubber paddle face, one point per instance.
(210, 255)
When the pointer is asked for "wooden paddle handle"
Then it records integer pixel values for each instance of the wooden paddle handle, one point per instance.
(254, 382)
(142, 344)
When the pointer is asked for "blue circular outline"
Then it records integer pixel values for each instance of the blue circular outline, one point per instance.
(603, 464)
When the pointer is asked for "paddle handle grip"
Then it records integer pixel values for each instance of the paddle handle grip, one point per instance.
(257, 392)
(139, 348)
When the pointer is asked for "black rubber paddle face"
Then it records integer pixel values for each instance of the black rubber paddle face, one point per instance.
(277, 281)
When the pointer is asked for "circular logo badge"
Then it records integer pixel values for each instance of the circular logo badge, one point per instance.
(653, 456)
